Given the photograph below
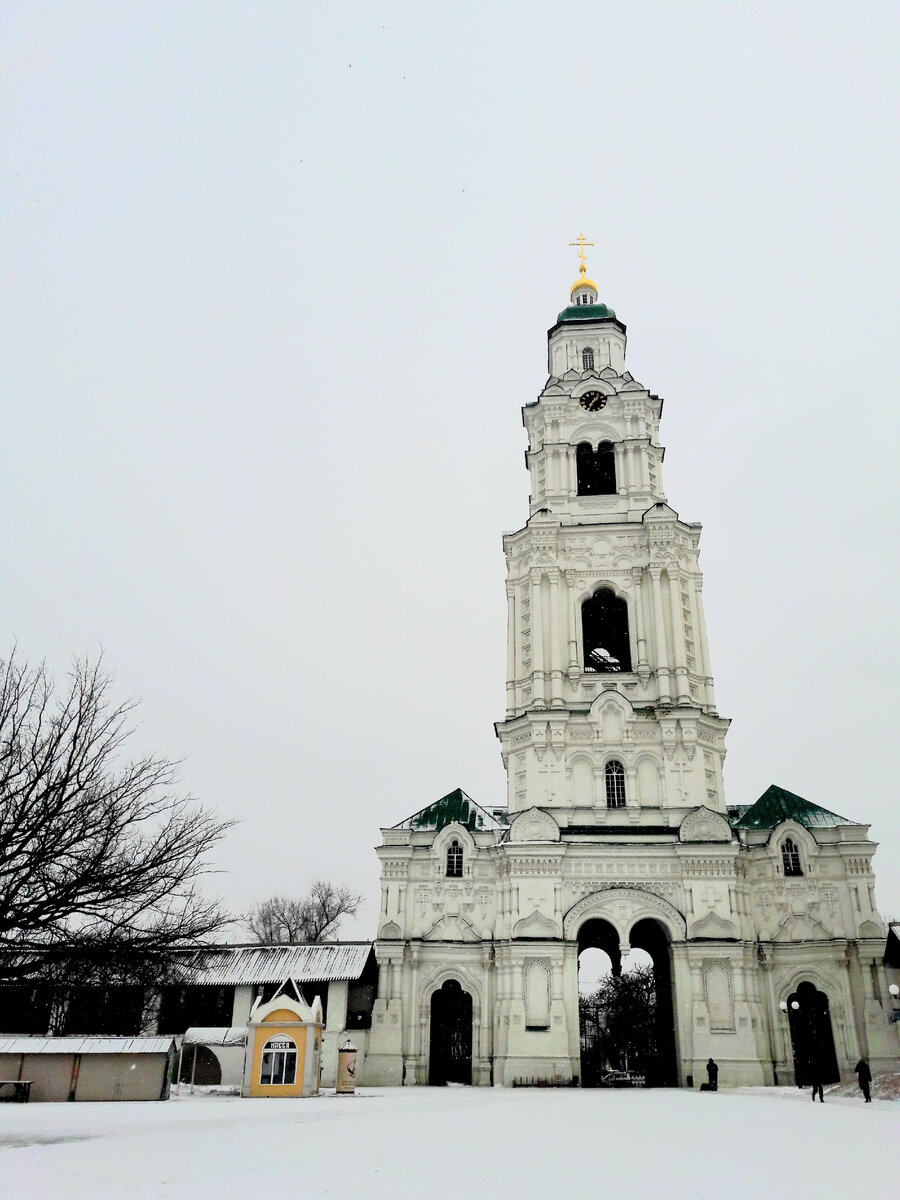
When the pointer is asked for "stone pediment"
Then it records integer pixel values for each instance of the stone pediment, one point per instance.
(536, 926)
(390, 931)
(871, 929)
(660, 512)
(451, 929)
(704, 825)
(571, 374)
(534, 825)
(713, 926)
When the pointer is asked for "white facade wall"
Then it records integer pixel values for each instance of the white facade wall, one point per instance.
(741, 935)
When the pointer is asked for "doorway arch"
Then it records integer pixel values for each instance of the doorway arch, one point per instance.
(450, 1042)
(812, 1038)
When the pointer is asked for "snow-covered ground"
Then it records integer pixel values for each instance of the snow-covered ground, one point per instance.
(415, 1144)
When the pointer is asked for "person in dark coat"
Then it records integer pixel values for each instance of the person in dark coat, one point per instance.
(815, 1074)
(864, 1076)
(712, 1074)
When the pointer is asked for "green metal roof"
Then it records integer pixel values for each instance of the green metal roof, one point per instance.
(455, 806)
(778, 804)
(584, 312)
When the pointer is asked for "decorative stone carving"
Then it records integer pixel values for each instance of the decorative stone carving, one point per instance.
(390, 931)
(621, 901)
(704, 825)
(713, 926)
(534, 825)
(536, 925)
(453, 928)
(718, 992)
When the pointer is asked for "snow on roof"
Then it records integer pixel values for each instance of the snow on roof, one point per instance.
(455, 806)
(307, 963)
(216, 1035)
(85, 1045)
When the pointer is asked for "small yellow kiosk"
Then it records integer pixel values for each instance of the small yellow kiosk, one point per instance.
(284, 1046)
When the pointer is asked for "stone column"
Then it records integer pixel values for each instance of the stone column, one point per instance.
(574, 660)
(662, 669)
(637, 574)
(537, 639)
(679, 657)
(704, 645)
(510, 651)
(555, 642)
(621, 472)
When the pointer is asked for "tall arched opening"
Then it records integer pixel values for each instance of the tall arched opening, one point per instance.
(598, 957)
(450, 1045)
(660, 1065)
(812, 1038)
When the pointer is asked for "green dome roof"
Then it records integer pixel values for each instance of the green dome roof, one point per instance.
(584, 312)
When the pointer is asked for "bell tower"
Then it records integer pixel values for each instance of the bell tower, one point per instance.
(610, 715)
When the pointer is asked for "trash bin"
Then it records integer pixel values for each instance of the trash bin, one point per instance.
(346, 1070)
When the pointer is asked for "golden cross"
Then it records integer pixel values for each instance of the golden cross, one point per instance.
(581, 243)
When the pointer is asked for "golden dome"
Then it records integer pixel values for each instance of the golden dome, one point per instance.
(583, 282)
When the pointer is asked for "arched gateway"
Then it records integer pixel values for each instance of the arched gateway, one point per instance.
(627, 1027)
(450, 1039)
(616, 831)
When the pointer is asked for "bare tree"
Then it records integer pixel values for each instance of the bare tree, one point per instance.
(312, 918)
(99, 856)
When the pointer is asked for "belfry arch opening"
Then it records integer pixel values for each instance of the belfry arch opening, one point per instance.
(626, 1011)
(596, 469)
(604, 628)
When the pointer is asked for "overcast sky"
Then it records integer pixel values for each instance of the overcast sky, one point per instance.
(276, 283)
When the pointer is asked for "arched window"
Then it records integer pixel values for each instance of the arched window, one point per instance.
(615, 784)
(604, 626)
(587, 359)
(790, 858)
(596, 469)
(454, 860)
(279, 1062)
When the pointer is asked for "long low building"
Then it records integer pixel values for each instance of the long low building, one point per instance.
(89, 1068)
(216, 989)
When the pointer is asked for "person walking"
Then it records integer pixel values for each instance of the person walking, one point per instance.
(864, 1076)
(712, 1074)
(815, 1074)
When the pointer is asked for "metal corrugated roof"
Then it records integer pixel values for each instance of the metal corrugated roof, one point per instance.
(85, 1045)
(235, 965)
(777, 804)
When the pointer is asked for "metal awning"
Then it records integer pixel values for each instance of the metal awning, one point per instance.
(213, 1035)
(86, 1045)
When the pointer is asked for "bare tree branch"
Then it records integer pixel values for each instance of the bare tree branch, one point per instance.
(314, 917)
(99, 857)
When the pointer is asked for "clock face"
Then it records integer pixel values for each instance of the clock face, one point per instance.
(593, 401)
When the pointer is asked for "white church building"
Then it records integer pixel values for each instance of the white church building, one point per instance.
(760, 920)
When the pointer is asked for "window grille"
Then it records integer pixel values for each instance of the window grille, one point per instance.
(615, 784)
(454, 860)
(587, 359)
(790, 858)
